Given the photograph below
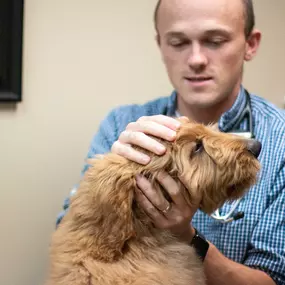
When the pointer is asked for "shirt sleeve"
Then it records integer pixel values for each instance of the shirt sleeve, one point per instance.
(267, 247)
(101, 143)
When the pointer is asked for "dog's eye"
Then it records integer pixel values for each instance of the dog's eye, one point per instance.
(198, 147)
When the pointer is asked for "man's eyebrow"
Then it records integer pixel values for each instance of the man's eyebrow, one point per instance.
(174, 34)
(218, 32)
(210, 32)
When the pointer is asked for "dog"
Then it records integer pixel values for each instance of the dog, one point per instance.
(105, 237)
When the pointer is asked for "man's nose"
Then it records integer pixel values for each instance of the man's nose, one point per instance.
(196, 58)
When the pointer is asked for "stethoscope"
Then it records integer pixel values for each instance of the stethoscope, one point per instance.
(246, 113)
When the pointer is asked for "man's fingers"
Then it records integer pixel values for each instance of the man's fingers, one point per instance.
(128, 152)
(138, 134)
(154, 214)
(152, 128)
(155, 196)
(142, 140)
(163, 120)
(172, 188)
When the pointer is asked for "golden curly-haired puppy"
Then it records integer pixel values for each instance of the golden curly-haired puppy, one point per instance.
(106, 239)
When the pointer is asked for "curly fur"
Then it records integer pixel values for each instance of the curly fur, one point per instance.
(106, 239)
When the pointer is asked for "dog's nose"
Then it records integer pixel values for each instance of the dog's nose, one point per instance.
(254, 147)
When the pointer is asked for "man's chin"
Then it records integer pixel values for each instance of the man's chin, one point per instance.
(201, 101)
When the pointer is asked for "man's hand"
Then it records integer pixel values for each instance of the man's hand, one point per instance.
(137, 133)
(176, 216)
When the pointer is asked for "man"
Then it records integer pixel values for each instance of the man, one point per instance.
(204, 44)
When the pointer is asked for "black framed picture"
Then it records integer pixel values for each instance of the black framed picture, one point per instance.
(11, 41)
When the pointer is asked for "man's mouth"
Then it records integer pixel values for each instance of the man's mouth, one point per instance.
(198, 79)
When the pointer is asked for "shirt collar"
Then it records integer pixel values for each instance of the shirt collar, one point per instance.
(227, 120)
(230, 117)
(171, 104)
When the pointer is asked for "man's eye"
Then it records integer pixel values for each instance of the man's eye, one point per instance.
(177, 44)
(214, 42)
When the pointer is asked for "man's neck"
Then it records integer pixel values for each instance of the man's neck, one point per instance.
(205, 115)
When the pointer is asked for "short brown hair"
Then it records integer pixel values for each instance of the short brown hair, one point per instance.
(248, 11)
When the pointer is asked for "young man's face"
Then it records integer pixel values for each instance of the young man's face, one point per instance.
(203, 45)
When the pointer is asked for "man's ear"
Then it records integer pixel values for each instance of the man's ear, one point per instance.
(157, 39)
(252, 44)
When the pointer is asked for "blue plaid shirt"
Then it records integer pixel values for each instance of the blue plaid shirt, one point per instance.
(257, 240)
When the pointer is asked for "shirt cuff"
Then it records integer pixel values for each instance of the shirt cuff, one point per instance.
(270, 267)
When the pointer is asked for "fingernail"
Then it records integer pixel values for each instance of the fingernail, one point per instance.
(145, 159)
(160, 149)
(172, 135)
(138, 177)
(177, 124)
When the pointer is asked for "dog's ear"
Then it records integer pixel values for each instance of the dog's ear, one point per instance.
(102, 208)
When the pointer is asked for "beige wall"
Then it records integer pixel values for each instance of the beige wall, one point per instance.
(265, 74)
(81, 58)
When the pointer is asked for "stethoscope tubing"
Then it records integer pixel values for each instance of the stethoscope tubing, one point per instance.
(247, 112)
